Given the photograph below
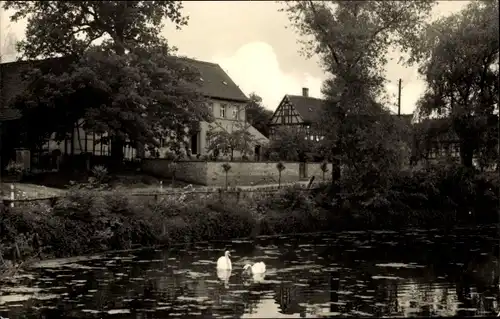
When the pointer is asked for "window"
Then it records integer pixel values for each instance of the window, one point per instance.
(455, 150)
(211, 107)
(235, 113)
(285, 116)
(223, 110)
(433, 151)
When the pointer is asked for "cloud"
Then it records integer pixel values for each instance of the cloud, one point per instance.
(255, 68)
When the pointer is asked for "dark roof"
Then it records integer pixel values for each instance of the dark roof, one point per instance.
(309, 108)
(437, 128)
(11, 81)
(215, 84)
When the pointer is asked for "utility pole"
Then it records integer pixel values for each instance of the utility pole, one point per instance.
(399, 97)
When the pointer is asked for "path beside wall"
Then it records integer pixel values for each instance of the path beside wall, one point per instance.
(50, 196)
(240, 174)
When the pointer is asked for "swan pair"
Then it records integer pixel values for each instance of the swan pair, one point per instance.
(224, 263)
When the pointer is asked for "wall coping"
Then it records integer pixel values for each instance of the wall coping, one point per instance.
(238, 162)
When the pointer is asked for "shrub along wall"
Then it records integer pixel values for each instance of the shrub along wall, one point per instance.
(241, 173)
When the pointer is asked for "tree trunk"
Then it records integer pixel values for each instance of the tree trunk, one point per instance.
(117, 155)
(466, 154)
(336, 173)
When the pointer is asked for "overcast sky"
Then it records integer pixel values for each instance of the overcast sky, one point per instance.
(253, 43)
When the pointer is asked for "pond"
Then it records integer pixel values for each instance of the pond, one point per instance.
(367, 273)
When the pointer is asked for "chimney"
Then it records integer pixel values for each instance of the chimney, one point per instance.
(305, 92)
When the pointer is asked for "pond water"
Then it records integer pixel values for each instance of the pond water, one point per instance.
(368, 273)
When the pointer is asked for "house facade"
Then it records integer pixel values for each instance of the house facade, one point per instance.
(226, 101)
(227, 104)
(300, 112)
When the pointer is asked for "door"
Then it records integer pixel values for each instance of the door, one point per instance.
(194, 144)
(302, 170)
(257, 153)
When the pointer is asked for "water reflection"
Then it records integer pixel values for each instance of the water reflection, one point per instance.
(415, 273)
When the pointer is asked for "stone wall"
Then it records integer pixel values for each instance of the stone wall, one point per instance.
(240, 174)
(251, 173)
(192, 172)
(314, 169)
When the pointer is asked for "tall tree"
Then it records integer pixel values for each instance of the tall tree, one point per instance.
(258, 115)
(352, 39)
(121, 78)
(459, 56)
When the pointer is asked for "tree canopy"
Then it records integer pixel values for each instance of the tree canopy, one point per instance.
(459, 55)
(258, 115)
(121, 79)
(225, 142)
(352, 39)
(290, 144)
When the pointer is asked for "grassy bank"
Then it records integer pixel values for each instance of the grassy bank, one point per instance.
(88, 220)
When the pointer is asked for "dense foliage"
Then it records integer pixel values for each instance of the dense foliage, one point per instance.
(222, 141)
(459, 60)
(290, 144)
(118, 75)
(352, 39)
(258, 115)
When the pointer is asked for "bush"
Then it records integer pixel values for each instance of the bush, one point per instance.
(90, 220)
(446, 196)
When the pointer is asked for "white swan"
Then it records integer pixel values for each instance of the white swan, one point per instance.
(223, 275)
(257, 268)
(224, 262)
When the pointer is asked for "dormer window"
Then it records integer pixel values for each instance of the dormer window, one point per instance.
(223, 110)
(224, 82)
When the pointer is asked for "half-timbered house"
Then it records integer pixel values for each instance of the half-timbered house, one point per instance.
(299, 112)
(225, 99)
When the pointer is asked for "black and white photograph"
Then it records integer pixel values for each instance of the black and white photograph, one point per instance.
(249, 159)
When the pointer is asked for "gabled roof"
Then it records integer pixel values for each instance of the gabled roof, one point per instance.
(309, 108)
(214, 82)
